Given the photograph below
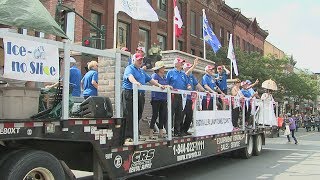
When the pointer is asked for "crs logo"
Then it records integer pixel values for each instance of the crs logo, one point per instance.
(143, 155)
(117, 161)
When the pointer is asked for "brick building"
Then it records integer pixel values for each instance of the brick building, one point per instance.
(223, 19)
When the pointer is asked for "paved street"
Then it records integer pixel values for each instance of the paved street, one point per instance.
(279, 161)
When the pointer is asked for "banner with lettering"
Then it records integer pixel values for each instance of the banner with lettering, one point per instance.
(30, 60)
(213, 122)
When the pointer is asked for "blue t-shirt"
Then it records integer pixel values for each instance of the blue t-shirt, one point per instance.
(89, 89)
(177, 79)
(75, 80)
(193, 82)
(246, 93)
(251, 91)
(159, 95)
(222, 83)
(138, 73)
(209, 80)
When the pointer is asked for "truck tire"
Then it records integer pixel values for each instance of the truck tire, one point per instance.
(246, 152)
(257, 142)
(32, 164)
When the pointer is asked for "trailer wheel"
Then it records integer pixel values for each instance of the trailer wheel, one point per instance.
(257, 148)
(246, 152)
(31, 164)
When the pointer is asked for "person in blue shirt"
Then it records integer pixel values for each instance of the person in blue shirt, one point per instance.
(134, 74)
(248, 95)
(188, 112)
(250, 87)
(178, 79)
(158, 100)
(209, 84)
(90, 80)
(222, 76)
(75, 78)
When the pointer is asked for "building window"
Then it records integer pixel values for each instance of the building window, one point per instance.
(201, 27)
(144, 39)
(23, 31)
(228, 36)
(244, 45)
(238, 42)
(123, 39)
(193, 52)
(39, 34)
(180, 45)
(162, 42)
(201, 54)
(193, 23)
(162, 7)
(180, 5)
(94, 34)
(222, 36)
(248, 47)
(212, 26)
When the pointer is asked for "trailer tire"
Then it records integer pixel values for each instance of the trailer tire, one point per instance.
(32, 164)
(257, 148)
(246, 152)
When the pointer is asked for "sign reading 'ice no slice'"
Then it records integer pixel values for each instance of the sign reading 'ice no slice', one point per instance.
(30, 60)
(213, 122)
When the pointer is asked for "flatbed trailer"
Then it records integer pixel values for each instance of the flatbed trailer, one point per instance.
(96, 145)
(49, 148)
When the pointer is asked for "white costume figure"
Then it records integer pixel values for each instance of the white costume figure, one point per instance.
(266, 114)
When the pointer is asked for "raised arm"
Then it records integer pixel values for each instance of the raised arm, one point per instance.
(195, 63)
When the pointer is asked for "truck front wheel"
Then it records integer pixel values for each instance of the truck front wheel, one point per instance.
(32, 164)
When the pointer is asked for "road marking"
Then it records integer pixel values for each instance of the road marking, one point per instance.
(275, 166)
(291, 158)
(307, 135)
(287, 161)
(297, 150)
(265, 176)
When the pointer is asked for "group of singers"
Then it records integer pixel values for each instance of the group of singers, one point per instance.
(179, 77)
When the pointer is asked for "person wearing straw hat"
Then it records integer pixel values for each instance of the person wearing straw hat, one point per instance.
(134, 74)
(177, 78)
(237, 94)
(158, 100)
(188, 112)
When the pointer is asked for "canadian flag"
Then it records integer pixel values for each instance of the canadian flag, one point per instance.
(177, 20)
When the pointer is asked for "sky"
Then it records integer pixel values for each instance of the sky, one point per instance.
(293, 26)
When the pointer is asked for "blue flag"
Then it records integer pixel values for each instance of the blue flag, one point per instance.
(209, 36)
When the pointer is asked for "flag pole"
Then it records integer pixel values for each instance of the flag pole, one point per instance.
(204, 41)
(174, 28)
(230, 39)
(115, 19)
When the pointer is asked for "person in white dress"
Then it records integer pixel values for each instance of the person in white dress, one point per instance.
(266, 114)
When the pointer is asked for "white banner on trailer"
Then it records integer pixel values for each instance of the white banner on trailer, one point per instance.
(213, 122)
(30, 60)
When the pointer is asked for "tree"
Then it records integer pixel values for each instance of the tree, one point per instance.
(253, 66)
